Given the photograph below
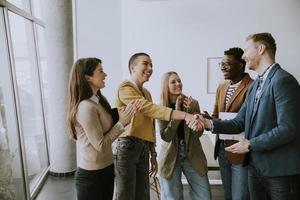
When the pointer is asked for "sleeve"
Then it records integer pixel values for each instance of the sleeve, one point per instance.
(168, 129)
(126, 93)
(87, 117)
(196, 109)
(233, 126)
(286, 93)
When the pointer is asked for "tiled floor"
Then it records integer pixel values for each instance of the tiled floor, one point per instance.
(58, 189)
(64, 189)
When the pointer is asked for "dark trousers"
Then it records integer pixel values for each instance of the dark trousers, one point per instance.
(274, 188)
(132, 169)
(95, 184)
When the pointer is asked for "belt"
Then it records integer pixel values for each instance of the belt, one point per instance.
(226, 140)
(137, 140)
(181, 142)
(228, 143)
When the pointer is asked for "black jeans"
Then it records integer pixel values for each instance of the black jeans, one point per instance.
(132, 169)
(95, 184)
(275, 188)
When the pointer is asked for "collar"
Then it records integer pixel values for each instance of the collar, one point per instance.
(236, 84)
(141, 90)
(95, 99)
(261, 72)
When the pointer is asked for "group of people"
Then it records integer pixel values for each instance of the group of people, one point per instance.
(258, 148)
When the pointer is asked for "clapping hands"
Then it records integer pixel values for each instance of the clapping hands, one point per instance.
(127, 112)
(187, 103)
(184, 101)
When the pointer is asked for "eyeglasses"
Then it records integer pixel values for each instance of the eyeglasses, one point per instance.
(225, 66)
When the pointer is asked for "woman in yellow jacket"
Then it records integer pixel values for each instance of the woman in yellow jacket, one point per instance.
(133, 146)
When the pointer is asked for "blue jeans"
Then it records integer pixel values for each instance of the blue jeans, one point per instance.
(234, 177)
(275, 188)
(171, 188)
(132, 169)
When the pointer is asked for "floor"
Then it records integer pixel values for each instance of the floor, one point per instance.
(58, 188)
(63, 188)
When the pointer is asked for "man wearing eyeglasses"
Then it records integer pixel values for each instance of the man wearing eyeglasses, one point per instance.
(229, 99)
(270, 118)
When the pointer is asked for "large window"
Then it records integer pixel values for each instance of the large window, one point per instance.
(43, 63)
(11, 174)
(22, 4)
(28, 87)
(24, 158)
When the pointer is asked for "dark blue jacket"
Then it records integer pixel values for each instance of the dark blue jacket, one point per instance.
(273, 129)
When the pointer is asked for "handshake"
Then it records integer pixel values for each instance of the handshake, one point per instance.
(198, 122)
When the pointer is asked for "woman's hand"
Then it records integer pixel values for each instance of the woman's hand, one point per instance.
(127, 112)
(154, 165)
(187, 103)
(178, 102)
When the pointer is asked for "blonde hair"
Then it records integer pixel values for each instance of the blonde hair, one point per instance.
(267, 40)
(164, 95)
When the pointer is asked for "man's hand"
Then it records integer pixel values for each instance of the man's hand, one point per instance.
(206, 115)
(196, 124)
(199, 123)
(154, 166)
(240, 147)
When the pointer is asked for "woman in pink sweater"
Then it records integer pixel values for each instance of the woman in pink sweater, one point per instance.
(91, 125)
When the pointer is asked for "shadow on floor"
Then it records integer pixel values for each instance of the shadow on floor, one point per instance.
(57, 188)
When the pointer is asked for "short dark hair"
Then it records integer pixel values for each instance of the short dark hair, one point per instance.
(237, 53)
(134, 57)
(266, 39)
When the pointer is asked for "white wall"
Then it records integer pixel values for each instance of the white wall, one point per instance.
(180, 35)
(98, 34)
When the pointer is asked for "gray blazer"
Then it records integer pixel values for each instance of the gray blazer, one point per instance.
(273, 129)
(167, 155)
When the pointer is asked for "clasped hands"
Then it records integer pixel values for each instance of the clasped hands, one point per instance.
(200, 122)
(196, 122)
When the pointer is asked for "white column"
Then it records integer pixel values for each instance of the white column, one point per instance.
(58, 18)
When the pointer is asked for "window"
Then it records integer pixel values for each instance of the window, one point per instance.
(22, 4)
(11, 173)
(29, 97)
(37, 7)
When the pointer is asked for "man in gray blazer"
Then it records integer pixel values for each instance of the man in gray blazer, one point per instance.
(270, 117)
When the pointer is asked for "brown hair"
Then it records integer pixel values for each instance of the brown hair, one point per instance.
(164, 95)
(79, 89)
(267, 40)
(134, 57)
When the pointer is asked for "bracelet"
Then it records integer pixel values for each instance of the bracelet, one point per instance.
(249, 147)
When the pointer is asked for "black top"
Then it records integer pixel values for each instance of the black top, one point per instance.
(180, 128)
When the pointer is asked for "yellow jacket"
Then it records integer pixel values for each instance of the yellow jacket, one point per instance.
(142, 124)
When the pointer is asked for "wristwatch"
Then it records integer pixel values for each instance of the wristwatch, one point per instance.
(249, 147)
(210, 125)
